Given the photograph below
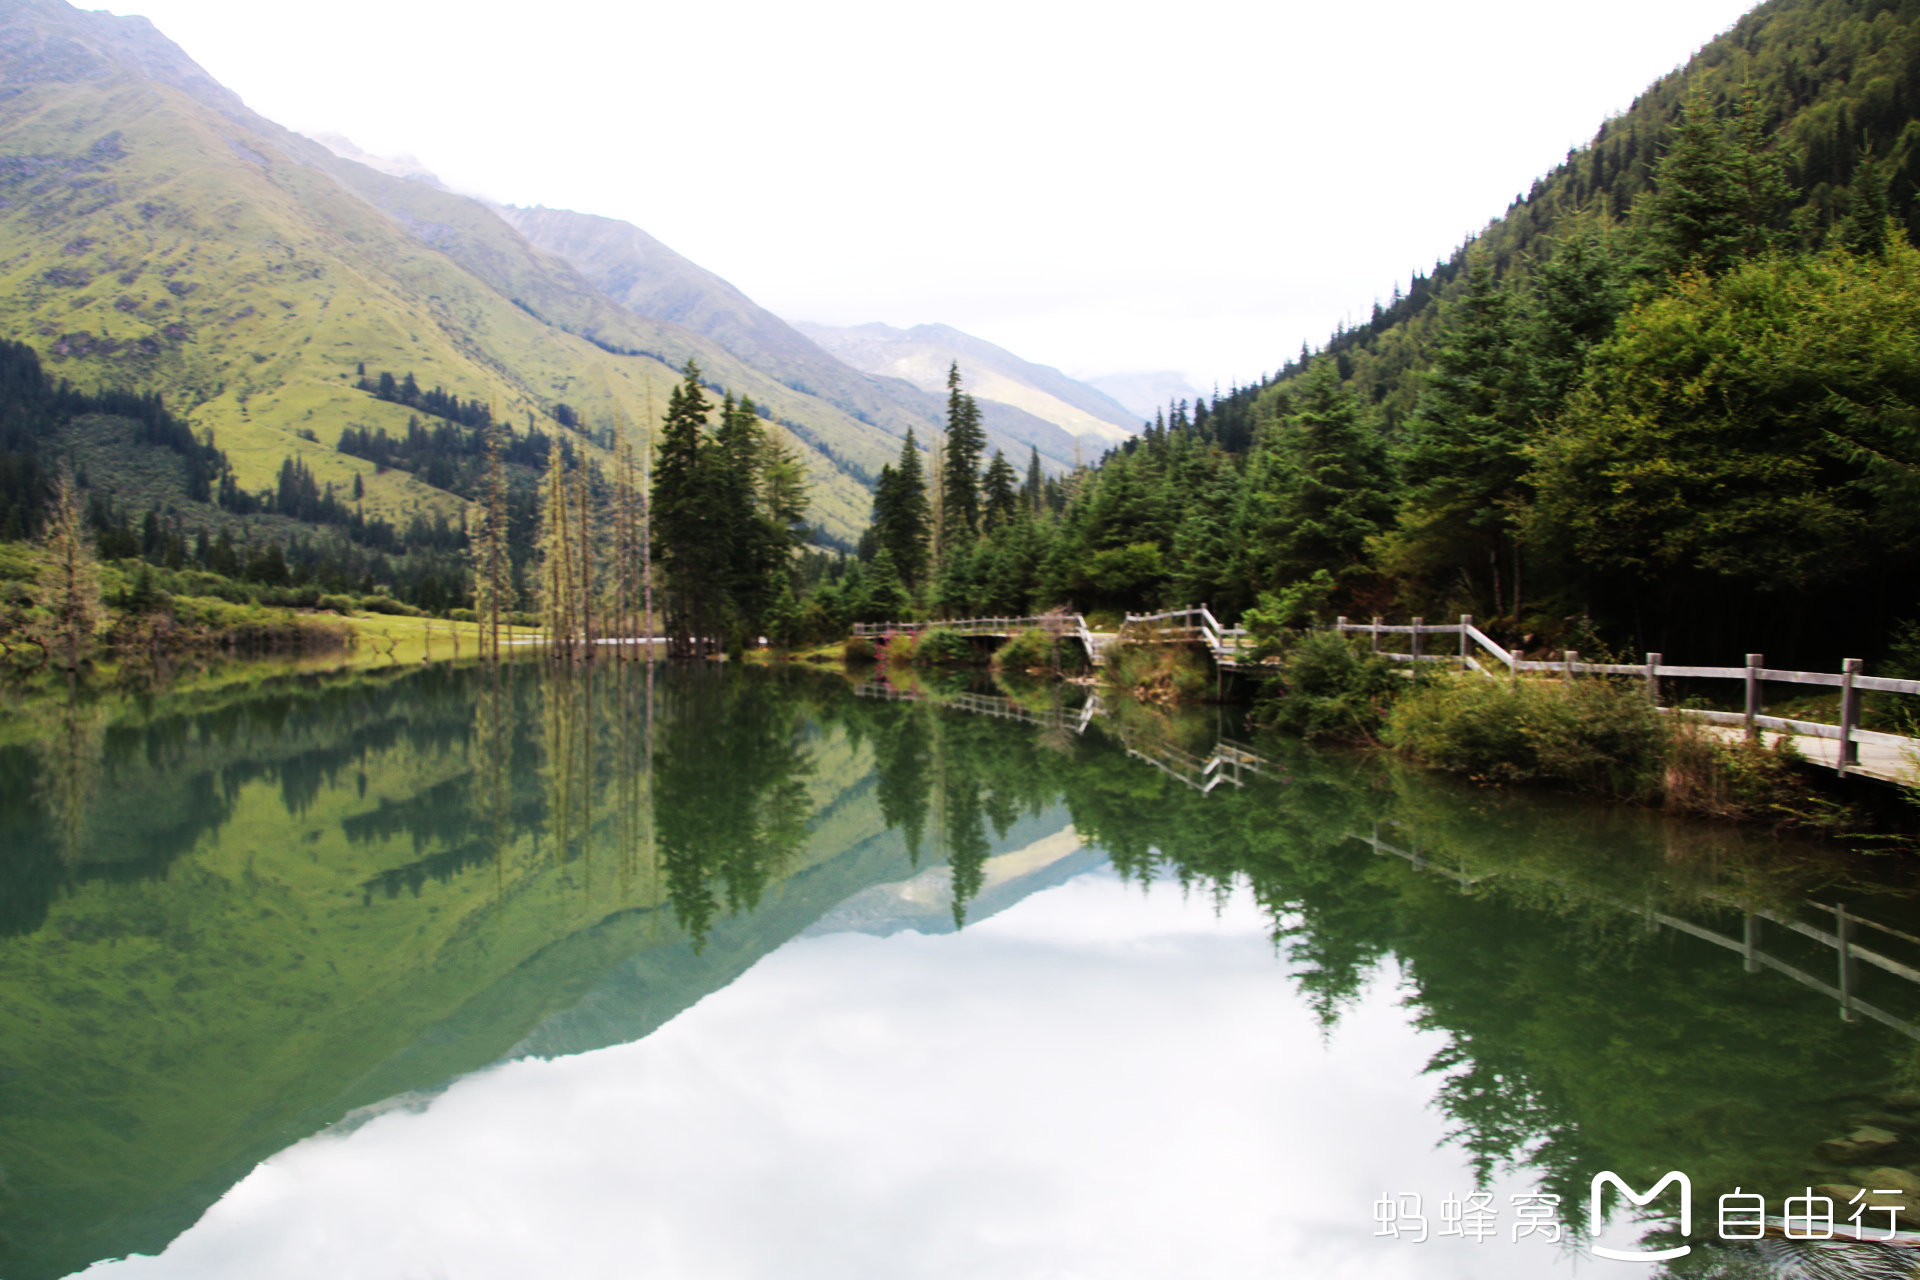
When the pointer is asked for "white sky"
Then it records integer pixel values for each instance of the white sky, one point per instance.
(1106, 187)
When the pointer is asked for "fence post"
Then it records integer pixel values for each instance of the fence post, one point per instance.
(1466, 620)
(1653, 677)
(1340, 625)
(1849, 756)
(1376, 633)
(1567, 657)
(1417, 623)
(1842, 929)
(1754, 662)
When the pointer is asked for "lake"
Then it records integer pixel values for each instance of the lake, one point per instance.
(736, 972)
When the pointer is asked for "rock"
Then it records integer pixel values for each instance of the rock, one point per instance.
(1857, 1147)
(1900, 1180)
(1907, 1208)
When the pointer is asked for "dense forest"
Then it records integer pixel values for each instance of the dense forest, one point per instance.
(1670, 400)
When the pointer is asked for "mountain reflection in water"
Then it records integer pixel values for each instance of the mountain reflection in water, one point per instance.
(235, 914)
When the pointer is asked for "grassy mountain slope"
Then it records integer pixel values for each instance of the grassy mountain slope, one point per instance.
(155, 233)
(921, 355)
(649, 279)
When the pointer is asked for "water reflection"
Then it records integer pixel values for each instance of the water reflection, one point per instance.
(234, 913)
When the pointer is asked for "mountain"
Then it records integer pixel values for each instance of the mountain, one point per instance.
(649, 279)
(1145, 394)
(922, 355)
(1834, 84)
(157, 234)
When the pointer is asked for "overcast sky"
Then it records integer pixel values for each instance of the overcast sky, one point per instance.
(1106, 187)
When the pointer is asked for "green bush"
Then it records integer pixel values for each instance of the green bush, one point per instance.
(1031, 650)
(338, 603)
(389, 606)
(942, 648)
(857, 649)
(461, 615)
(1593, 735)
(1329, 686)
(901, 647)
(1158, 673)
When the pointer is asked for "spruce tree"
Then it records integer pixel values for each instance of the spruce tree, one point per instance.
(1718, 191)
(900, 514)
(966, 440)
(1464, 462)
(1316, 491)
(1002, 491)
(688, 540)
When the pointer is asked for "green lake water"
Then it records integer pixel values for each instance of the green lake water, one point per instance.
(739, 973)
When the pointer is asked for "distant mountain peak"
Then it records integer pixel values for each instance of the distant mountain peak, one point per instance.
(923, 354)
(409, 167)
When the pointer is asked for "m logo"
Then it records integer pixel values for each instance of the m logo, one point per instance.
(1595, 1217)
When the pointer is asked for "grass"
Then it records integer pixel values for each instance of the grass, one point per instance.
(247, 286)
(1162, 674)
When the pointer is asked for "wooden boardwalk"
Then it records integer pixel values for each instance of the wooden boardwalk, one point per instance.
(1845, 747)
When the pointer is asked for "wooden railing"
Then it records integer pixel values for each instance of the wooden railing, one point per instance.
(1849, 680)
(1232, 648)
(1059, 625)
(1837, 934)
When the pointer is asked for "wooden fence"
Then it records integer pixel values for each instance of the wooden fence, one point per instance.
(1849, 680)
(1839, 932)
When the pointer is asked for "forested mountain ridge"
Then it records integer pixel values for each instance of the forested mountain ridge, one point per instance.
(157, 234)
(1670, 401)
(1831, 80)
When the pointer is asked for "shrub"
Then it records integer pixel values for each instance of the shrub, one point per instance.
(339, 604)
(461, 615)
(1162, 673)
(901, 647)
(857, 649)
(1329, 686)
(1593, 735)
(389, 606)
(942, 648)
(1031, 650)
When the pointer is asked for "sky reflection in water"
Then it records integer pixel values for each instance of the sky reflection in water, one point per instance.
(1100, 1081)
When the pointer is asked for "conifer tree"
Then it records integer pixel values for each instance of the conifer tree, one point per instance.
(1034, 493)
(686, 530)
(1717, 190)
(900, 513)
(70, 578)
(557, 569)
(1316, 491)
(1464, 463)
(966, 440)
(1002, 492)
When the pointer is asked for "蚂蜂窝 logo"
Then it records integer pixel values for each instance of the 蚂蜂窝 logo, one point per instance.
(1595, 1214)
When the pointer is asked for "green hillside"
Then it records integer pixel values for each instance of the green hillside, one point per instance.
(156, 234)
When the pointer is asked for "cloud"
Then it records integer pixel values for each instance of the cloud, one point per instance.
(1099, 1082)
